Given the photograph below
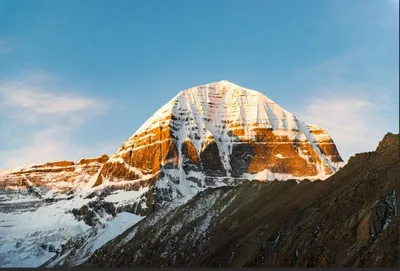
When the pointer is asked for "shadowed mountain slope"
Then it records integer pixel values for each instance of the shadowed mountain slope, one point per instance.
(351, 219)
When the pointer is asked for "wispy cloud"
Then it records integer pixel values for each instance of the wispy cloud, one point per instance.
(49, 114)
(53, 144)
(41, 102)
(356, 122)
(352, 99)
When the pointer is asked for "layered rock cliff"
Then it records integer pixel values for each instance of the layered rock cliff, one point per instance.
(219, 134)
(61, 176)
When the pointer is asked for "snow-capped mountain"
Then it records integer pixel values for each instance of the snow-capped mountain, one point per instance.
(211, 135)
(219, 134)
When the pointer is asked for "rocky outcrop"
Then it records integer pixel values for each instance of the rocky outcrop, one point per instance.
(349, 220)
(218, 134)
(60, 176)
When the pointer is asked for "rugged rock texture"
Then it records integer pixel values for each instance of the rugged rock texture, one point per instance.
(61, 176)
(350, 219)
(206, 136)
(219, 134)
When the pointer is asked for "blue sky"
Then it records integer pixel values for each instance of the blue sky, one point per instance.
(77, 78)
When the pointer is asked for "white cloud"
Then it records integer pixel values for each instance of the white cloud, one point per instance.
(41, 102)
(44, 145)
(355, 122)
(49, 114)
(353, 96)
(39, 92)
(54, 144)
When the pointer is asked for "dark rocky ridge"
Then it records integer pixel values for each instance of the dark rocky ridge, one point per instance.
(351, 219)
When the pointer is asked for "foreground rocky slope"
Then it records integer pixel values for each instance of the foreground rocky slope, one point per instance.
(351, 219)
(211, 135)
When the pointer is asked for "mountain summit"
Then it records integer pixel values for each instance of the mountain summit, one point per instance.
(206, 136)
(218, 134)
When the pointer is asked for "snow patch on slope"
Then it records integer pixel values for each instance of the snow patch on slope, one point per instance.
(98, 236)
(26, 236)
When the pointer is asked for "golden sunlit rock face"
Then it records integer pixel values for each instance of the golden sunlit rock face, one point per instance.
(217, 134)
(266, 151)
(206, 136)
(59, 176)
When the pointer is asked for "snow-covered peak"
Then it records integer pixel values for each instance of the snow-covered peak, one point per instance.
(228, 115)
(227, 102)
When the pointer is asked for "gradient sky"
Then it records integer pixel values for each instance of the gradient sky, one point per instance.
(77, 78)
